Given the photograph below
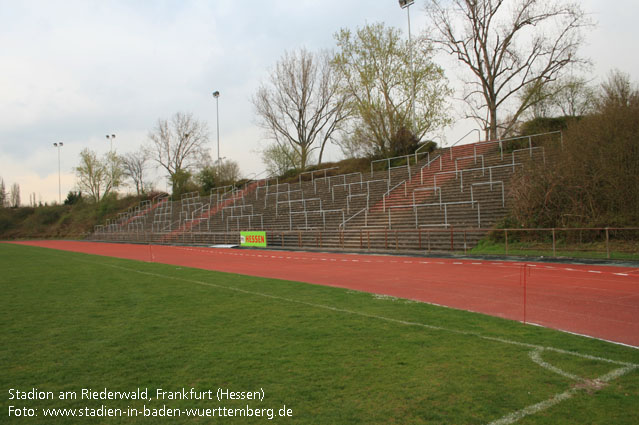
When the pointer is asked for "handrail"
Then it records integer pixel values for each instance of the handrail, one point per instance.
(367, 182)
(390, 190)
(396, 157)
(461, 172)
(348, 199)
(543, 152)
(475, 157)
(491, 183)
(315, 171)
(426, 189)
(320, 211)
(353, 216)
(529, 137)
(422, 147)
(421, 170)
(462, 138)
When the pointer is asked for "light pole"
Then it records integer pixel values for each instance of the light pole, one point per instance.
(59, 145)
(216, 95)
(111, 137)
(406, 4)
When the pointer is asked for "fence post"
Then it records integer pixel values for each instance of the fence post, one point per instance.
(419, 237)
(452, 243)
(299, 238)
(506, 239)
(361, 239)
(554, 253)
(282, 239)
(607, 244)
(464, 241)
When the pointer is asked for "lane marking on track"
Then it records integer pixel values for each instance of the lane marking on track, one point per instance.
(455, 263)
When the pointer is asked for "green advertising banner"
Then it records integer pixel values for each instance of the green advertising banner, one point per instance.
(253, 239)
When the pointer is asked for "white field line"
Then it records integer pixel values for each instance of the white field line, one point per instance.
(508, 419)
(373, 316)
(535, 356)
(557, 398)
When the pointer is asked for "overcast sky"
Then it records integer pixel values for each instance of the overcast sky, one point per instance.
(74, 71)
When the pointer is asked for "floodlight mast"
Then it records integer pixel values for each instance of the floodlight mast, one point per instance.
(59, 145)
(216, 95)
(111, 137)
(405, 4)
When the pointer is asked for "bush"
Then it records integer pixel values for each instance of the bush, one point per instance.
(592, 182)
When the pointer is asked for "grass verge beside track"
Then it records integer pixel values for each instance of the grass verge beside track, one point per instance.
(72, 321)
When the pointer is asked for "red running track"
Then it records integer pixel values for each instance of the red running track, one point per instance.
(599, 301)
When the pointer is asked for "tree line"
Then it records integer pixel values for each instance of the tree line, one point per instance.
(176, 145)
(380, 95)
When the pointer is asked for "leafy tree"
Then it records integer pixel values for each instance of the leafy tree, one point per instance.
(207, 179)
(508, 46)
(300, 105)
(98, 177)
(278, 159)
(393, 88)
(73, 198)
(182, 182)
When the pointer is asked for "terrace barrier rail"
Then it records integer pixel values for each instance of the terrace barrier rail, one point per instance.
(594, 243)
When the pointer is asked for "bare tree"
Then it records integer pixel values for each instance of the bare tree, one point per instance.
(618, 91)
(391, 93)
(575, 97)
(98, 177)
(227, 171)
(179, 144)
(3, 193)
(134, 166)
(508, 46)
(301, 105)
(15, 195)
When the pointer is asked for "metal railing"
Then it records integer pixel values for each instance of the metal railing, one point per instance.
(365, 211)
(390, 190)
(604, 242)
(491, 183)
(407, 157)
(312, 173)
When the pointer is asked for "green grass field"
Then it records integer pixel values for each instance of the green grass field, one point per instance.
(74, 321)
